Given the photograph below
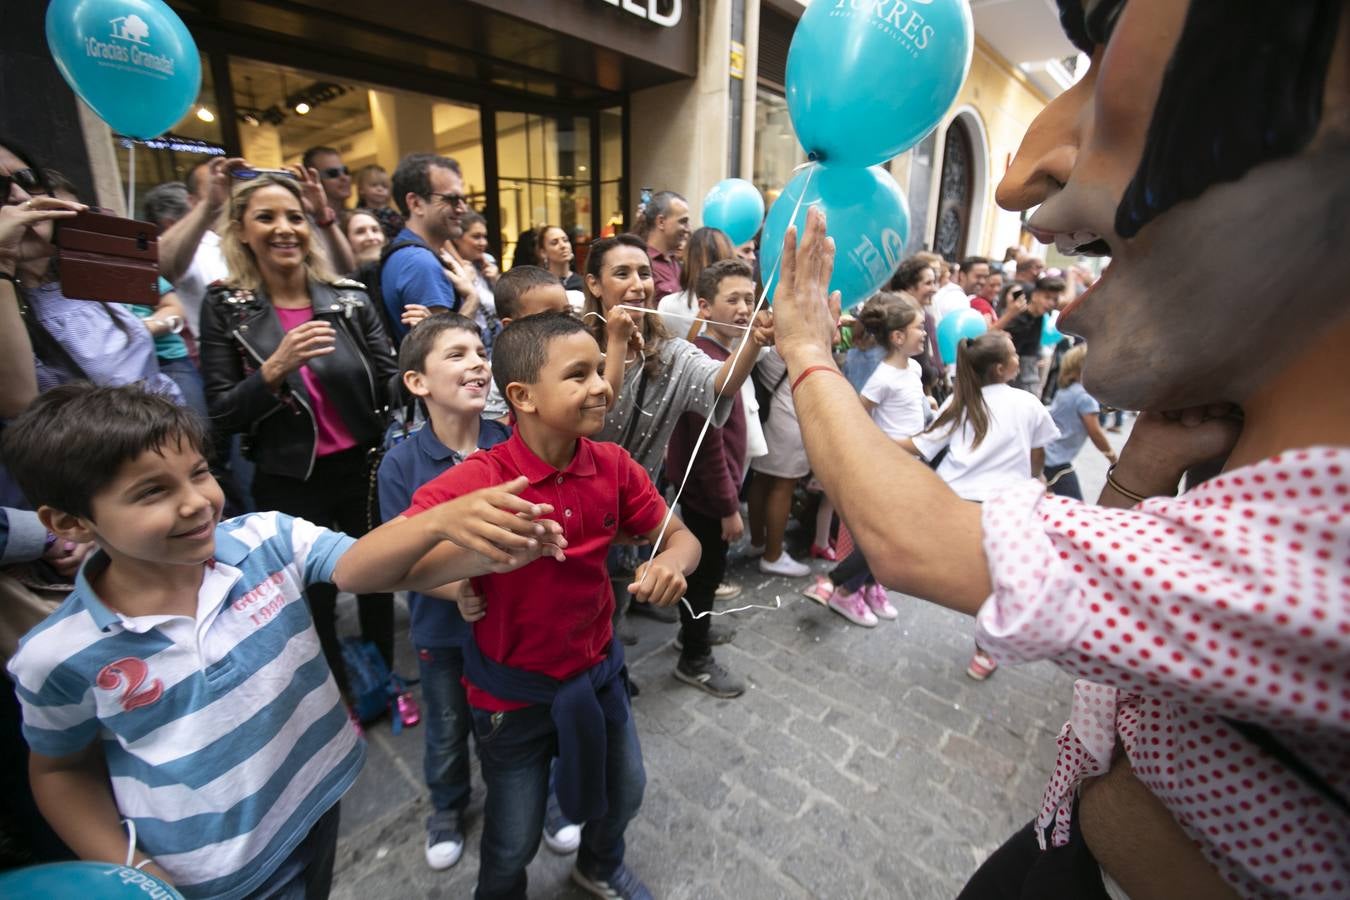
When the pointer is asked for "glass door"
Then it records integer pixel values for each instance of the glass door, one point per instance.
(544, 177)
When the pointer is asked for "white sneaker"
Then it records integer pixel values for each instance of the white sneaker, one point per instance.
(446, 850)
(563, 841)
(784, 565)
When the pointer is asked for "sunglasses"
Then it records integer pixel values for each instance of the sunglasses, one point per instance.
(24, 178)
(334, 172)
(453, 200)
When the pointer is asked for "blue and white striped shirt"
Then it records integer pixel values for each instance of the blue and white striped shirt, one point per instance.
(224, 734)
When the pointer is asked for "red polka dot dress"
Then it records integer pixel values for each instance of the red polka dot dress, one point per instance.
(1231, 601)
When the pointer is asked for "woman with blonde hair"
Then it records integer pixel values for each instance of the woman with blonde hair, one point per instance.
(296, 359)
(1075, 413)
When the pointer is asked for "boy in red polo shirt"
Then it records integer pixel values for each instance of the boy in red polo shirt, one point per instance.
(543, 672)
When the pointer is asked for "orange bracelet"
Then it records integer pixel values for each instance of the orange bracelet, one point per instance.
(809, 370)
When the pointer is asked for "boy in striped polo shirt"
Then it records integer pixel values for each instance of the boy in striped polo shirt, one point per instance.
(181, 687)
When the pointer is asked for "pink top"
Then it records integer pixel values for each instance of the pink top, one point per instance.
(1230, 601)
(331, 434)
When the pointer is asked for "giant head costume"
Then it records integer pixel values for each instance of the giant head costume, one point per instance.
(1207, 152)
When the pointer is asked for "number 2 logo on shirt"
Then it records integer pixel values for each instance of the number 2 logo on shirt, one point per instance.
(131, 672)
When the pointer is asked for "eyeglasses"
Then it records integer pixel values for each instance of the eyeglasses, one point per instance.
(455, 200)
(24, 178)
(334, 172)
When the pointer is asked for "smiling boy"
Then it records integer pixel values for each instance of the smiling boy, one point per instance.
(544, 672)
(181, 686)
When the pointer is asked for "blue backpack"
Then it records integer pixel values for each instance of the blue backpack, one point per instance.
(374, 689)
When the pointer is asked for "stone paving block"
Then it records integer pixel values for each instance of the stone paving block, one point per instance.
(759, 828)
(823, 872)
(940, 711)
(875, 735)
(831, 743)
(845, 831)
(770, 787)
(974, 755)
(900, 876)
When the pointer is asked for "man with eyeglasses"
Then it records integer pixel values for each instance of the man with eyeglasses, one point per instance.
(429, 192)
(333, 175)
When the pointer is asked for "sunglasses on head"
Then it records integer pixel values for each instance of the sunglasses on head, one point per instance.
(248, 174)
(24, 178)
(333, 172)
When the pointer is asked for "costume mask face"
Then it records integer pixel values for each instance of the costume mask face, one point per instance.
(1212, 166)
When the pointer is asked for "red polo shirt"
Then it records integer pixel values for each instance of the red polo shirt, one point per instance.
(553, 617)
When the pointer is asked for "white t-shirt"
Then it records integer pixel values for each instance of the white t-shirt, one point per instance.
(678, 312)
(897, 395)
(1018, 424)
(950, 298)
(208, 266)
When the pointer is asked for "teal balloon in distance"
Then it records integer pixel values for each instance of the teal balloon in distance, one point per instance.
(132, 61)
(735, 207)
(964, 323)
(866, 79)
(84, 881)
(865, 213)
(1050, 333)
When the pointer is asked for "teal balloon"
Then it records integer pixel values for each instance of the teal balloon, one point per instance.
(964, 323)
(735, 207)
(84, 881)
(1050, 333)
(132, 61)
(866, 79)
(865, 213)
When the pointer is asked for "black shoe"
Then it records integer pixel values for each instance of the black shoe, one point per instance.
(717, 636)
(667, 614)
(709, 676)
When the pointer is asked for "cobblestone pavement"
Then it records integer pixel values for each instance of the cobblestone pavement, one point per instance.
(859, 763)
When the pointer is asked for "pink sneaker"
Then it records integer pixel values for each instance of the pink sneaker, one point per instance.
(820, 591)
(852, 607)
(878, 602)
(408, 710)
(356, 723)
(981, 666)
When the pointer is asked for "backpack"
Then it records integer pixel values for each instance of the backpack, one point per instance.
(764, 392)
(374, 689)
(370, 275)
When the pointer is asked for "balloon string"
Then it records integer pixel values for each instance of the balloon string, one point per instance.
(707, 421)
(777, 604)
(131, 179)
(677, 315)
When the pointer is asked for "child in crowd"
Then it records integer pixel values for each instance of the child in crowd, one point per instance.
(1075, 413)
(710, 505)
(988, 436)
(181, 687)
(374, 192)
(444, 365)
(543, 672)
(894, 397)
(658, 378)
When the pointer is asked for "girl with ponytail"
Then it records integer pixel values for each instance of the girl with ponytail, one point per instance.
(988, 436)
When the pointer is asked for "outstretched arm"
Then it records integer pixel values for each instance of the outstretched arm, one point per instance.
(867, 476)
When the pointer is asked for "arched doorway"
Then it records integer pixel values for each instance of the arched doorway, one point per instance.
(956, 191)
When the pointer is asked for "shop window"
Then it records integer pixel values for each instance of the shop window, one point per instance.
(777, 152)
(196, 137)
(544, 177)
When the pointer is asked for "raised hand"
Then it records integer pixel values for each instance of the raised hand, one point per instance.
(805, 313)
(657, 583)
(16, 220)
(299, 346)
(501, 526)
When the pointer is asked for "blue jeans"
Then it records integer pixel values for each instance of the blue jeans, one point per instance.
(308, 872)
(516, 749)
(445, 712)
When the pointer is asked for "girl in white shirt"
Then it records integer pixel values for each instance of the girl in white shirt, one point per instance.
(988, 436)
(894, 397)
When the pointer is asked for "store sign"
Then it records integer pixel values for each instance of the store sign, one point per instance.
(651, 10)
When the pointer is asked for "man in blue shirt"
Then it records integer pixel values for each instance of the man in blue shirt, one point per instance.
(429, 192)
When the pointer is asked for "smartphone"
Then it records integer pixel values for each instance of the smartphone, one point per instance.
(646, 196)
(105, 257)
(246, 173)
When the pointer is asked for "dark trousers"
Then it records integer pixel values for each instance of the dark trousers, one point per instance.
(1063, 481)
(335, 496)
(1021, 870)
(701, 585)
(852, 572)
(307, 874)
(516, 749)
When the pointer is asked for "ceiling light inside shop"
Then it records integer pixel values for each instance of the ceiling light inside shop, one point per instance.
(205, 114)
(302, 108)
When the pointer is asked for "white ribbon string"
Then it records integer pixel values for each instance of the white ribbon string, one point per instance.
(678, 315)
(707, 420)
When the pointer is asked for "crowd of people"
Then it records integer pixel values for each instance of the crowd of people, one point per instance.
(336, 395)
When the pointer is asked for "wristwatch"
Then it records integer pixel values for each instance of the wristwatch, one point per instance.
(175, 323)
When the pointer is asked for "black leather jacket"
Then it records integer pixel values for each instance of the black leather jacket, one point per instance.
(240, 330)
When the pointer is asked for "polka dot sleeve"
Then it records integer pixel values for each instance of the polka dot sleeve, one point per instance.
(1231, 602)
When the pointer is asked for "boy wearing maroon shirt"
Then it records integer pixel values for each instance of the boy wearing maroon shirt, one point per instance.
(543, 672)
(711, 504)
